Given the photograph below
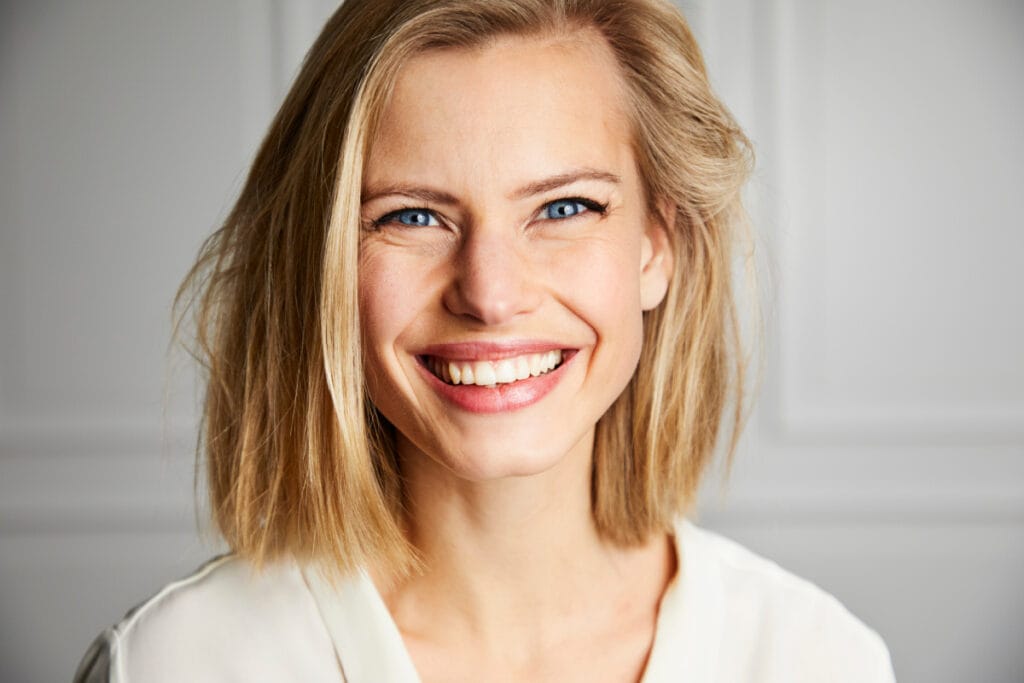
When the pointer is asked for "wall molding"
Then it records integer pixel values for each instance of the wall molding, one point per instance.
(79, 495)
(903, 509)
(48, 436)
(893, 508)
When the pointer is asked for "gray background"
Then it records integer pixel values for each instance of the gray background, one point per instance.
(886, 459)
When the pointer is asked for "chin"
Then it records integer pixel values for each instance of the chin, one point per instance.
(494, 459)
(503, 466)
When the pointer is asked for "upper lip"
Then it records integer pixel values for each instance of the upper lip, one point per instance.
(489, 350)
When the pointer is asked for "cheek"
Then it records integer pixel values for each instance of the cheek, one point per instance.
(376, 317)
(377, 303)
(604, 281)
(385, 309)
(391, 293)
(601, 285)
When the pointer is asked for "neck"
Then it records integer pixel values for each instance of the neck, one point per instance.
(517, 554)
(518, 532)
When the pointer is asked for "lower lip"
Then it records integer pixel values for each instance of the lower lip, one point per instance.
(500, 397)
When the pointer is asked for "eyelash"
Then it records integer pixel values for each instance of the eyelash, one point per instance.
(589, 204)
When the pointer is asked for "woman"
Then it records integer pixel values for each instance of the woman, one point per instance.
(470, 340)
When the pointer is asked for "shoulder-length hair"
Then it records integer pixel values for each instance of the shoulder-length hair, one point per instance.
(297, 458)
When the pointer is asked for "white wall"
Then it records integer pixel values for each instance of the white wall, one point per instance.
(886, 460)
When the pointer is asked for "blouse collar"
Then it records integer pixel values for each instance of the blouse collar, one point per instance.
(370, 649)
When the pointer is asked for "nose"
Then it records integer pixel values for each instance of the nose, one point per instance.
(493, 281)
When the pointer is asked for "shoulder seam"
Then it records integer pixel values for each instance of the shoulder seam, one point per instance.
(750, 561)
(137, 613)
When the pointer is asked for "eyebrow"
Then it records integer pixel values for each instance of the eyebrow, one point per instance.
(413, 192)
(554, 182)
(562, 179)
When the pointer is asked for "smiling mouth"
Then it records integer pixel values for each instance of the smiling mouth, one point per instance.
(489, 373)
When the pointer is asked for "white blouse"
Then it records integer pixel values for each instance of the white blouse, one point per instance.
(728, 616)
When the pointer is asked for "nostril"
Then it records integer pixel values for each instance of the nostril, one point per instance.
(493, 282)
(491, 300)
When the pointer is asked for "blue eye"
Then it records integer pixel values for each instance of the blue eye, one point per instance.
(414, 218)
(567, 208)
(563, 208)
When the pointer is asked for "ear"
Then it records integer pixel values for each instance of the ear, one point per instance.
(656, 257)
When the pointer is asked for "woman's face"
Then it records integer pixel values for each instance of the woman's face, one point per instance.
(507, 255)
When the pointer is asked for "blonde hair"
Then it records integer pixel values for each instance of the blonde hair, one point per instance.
(298, 460)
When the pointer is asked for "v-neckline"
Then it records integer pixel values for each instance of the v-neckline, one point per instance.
(370, 649)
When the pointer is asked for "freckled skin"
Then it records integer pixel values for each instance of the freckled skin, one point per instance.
(502, 203)
(488, 263)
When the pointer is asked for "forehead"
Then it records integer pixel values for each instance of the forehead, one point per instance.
(515, 107)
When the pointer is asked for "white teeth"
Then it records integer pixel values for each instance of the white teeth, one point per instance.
(522, 368)
(489, 373)
(505, 372)
(484, 373)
